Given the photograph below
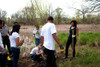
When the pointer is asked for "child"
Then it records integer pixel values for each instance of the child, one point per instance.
(36, 34)
(36, 53)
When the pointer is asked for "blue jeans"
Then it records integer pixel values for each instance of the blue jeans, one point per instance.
(55, 53)
(34, 57)
(37, 42)
(16, 52)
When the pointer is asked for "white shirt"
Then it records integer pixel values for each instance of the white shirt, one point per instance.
(1, 44)
(37, 33)
(13, 38)
(47, 30)
(34, 49)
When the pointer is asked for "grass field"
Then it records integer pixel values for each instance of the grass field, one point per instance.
(87, 55)
(83, 38)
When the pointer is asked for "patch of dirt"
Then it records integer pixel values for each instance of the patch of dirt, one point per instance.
(27, 30)
(27, 62)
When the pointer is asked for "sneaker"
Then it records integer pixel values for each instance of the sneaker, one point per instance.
(72, 58)
(65, 57)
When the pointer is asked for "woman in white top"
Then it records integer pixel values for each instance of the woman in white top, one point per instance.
(15, 43)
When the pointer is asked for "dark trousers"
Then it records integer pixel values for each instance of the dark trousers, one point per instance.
(3, 59)
(69, 42)
(6, 41)
(35, 57)
(50, 58)
(16, 52)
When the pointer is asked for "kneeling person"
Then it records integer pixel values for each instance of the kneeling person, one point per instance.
(36, 53)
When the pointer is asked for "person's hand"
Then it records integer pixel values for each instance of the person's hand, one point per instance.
(41, 53)
(44, 58)
(3, 51)
(22, 40)
(73, 36)
(61, 47)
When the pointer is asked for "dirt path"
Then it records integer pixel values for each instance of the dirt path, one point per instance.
(27, 30)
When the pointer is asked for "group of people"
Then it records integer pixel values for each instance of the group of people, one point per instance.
(44, 39)
(13, 42)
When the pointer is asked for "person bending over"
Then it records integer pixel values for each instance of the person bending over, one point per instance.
(36, 53)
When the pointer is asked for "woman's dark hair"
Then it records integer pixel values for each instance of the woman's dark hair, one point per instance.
(50, 18)
(75, 22)
(16, 28)
(3, 22)
(15, 23)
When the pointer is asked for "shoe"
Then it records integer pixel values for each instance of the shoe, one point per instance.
(65, 57)
(72, 58)
(34, 62)
(11, 55)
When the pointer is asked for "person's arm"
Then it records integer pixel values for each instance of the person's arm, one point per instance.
(34, 32)
(56, 39)
(77, 31)
(37, 53)
(19, 43)
(33, 35)
(42, 37)
(53, 32)
(42, 40)
(8, 29)
(1, 48)
(43, 56)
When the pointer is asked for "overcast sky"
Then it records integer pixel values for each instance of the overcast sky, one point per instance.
(12, 6)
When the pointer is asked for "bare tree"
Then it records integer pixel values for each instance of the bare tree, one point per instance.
(90, 6)
(3, 15)
(58, 15)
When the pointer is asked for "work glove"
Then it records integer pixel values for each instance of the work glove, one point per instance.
(61, 47)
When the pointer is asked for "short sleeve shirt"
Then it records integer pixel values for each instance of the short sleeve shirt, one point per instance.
(13, 39)
(47, 30)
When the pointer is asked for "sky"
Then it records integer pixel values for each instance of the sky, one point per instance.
(12, 6)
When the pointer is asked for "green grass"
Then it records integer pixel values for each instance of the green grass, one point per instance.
(63, 38)
(89, 38)
(82, 39)
(86, 58)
